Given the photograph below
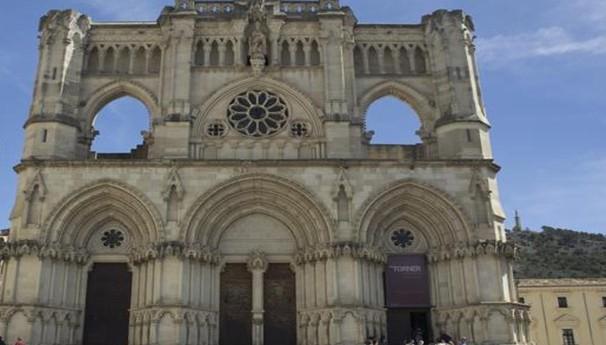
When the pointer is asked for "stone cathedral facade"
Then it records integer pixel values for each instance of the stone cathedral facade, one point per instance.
(256, 210)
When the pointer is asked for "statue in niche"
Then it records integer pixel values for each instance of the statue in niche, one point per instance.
(257, 44)
(257, 37)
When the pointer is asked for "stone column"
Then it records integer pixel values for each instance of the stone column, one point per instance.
(257, 265)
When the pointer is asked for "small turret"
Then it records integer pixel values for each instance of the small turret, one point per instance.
(462, 129)
(52, 129)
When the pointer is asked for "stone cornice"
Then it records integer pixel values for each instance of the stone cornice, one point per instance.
(337, 250)
(17, 249)
(58, 118)
(174, 249)
(511, 311)
(472, 249)
(185, 163)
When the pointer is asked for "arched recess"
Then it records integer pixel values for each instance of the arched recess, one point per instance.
(115, 90)
(291, 96)
(431, 211)
(287, 202)
(422, 106)
(76, 217)
(120, 126)
(393, 122)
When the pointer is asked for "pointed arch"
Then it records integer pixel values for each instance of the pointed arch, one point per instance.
(373, 60)
(431, 210)
(281, 199)
(420, 103)
(93, 61)
(109, 61)
(199, 54)
(285, 54)
(78, 215)
(118, 89)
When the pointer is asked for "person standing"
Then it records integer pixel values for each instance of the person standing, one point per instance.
(2, 341)
(20, 342)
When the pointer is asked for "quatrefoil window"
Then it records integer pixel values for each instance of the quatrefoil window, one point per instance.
(257, 113)
(402, 238)
(112, 238)
(216, 129)
(299, 129)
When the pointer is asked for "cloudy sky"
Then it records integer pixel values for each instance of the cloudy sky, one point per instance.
(543, 65)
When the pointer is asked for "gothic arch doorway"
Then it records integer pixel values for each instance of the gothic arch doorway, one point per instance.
(257, 285)
(108, 293)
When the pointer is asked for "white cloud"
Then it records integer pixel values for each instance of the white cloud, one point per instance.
(583, 12)
(551, 41)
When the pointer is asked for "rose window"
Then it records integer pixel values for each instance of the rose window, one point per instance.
(402, 238)
(112, 238)
(257, 113)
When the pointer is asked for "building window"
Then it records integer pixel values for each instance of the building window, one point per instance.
(604, 302)
(257, 113)
(568, 337)
(562, 302)
(112, 238)
(402, 238)
(522, 300)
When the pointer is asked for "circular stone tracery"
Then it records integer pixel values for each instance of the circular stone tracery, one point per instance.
(112, 238)
(402, 238)
(257, 113)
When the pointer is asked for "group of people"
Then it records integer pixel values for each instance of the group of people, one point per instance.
(417, 339)
(444, 339)
(18, 342)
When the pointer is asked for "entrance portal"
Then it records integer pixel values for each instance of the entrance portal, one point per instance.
(236, 305)
(280, 317)
(108, 292)
(406, 324)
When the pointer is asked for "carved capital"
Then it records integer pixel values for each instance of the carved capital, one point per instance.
(257, 262)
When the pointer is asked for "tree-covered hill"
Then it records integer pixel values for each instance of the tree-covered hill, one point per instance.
(559, 253)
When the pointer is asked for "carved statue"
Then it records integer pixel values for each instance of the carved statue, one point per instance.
(257, 43)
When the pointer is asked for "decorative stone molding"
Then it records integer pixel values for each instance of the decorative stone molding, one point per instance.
(257, 262)
(336, 250)
(62, 315)
(16, 249)
(173, 180)
(444, 220)
(472, 249)
(176, 249)
(59, 225)
(213, 212)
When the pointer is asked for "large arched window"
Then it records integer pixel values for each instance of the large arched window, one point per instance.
(119, 126)
(393, 122)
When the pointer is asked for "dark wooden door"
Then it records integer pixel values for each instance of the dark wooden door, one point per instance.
(236, 306)
(280, 318)
(405, 324)
(107, 305)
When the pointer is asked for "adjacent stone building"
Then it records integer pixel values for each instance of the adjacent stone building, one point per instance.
(566, 311)
(256, 211)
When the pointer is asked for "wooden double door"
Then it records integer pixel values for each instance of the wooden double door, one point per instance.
(279, 304)
(108, 292)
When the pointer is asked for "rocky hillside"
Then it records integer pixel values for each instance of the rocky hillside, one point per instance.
(559, 253)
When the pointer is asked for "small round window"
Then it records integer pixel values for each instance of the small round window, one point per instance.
(112, 238)
(257, 113)
(402, 238)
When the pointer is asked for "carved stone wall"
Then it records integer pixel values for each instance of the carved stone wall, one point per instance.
(257, 154)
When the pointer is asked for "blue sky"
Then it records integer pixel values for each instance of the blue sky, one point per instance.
(543, 69)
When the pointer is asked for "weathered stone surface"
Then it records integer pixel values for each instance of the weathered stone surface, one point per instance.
(208, 188)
